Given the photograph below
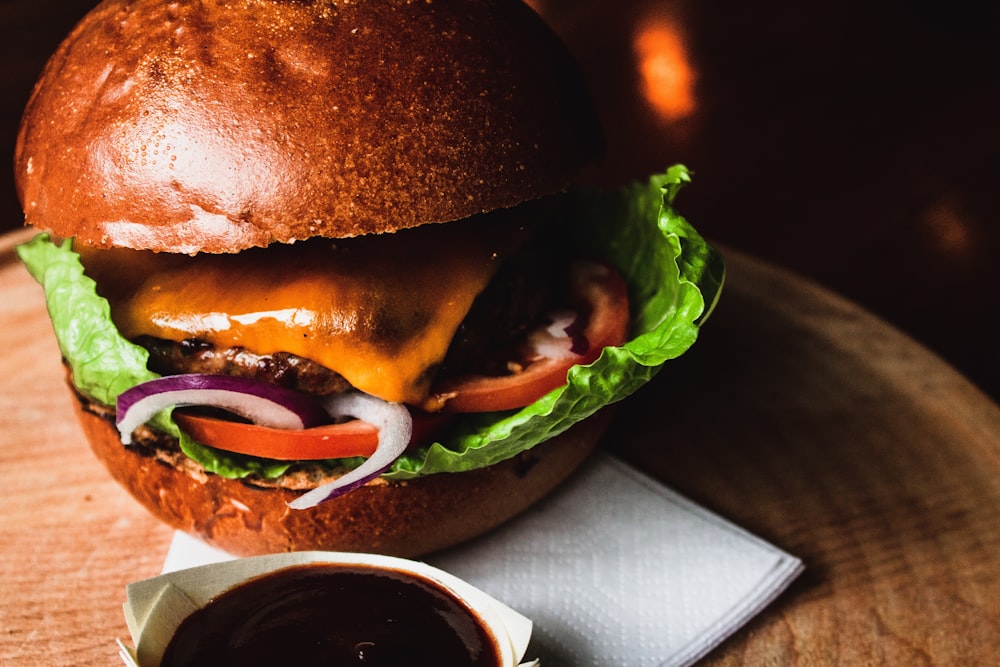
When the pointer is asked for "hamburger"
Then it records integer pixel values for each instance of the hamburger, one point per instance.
(325, 275)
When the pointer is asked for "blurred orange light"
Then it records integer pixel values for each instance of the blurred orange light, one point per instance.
(666, 75)
(950, 232)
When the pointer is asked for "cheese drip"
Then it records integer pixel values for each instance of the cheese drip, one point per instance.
(380, 311)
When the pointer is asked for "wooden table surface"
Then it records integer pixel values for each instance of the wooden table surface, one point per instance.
(798, 415)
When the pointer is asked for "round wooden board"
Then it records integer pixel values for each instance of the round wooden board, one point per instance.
(797, 415)
(815, 425)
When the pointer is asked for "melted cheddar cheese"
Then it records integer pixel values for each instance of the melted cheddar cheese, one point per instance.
(380, 311)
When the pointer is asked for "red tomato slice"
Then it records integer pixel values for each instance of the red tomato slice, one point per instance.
(330, 441)
(601, 294)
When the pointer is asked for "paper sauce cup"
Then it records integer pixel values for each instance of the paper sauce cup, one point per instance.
(156, 607)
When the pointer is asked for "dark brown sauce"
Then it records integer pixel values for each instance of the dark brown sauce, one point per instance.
(325, 614)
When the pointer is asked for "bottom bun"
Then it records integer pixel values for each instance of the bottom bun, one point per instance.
(405, 518)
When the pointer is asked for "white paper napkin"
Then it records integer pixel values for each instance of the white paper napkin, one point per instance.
(614, 569)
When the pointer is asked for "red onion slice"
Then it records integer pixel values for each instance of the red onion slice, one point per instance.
(260, 402)
(395, 427)
(557, 340)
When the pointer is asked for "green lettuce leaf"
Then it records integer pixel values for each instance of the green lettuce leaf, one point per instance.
(102, 362)
(674, 279)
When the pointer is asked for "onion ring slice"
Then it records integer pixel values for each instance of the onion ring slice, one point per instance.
(260, 402)
(395, 428)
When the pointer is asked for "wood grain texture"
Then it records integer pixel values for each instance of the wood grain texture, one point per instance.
(813, 424)
(71, 538)
(797, 415)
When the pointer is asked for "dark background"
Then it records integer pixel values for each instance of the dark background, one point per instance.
(856, 143)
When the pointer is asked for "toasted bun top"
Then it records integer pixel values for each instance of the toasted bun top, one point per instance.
(202, 125)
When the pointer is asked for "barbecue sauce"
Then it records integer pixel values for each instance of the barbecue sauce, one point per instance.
(324, 614)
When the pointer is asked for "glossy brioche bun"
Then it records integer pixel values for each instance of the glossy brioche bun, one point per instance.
(213, 127)
(406, 519)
